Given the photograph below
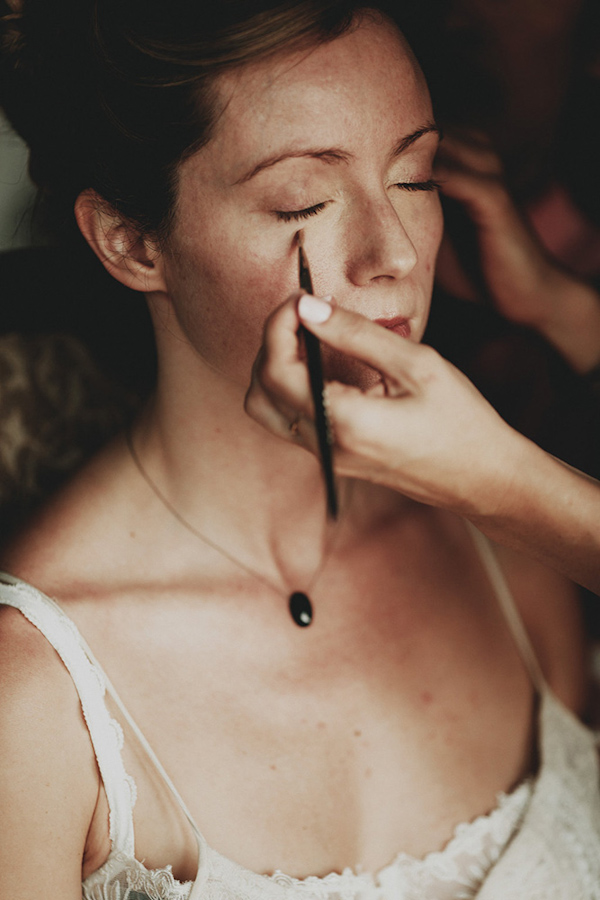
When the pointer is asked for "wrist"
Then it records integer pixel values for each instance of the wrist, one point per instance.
(508, 483)
(572, 321)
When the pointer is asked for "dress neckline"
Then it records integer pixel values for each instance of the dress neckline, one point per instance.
(346, 882)
(207, 856)
(273, 886)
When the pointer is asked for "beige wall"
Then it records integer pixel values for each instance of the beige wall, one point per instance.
(17, 193)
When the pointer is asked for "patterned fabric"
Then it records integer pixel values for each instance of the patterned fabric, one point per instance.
(541, 842)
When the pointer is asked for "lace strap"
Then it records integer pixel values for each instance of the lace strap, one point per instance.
(160, 769)
(508, 606)
(105, 733)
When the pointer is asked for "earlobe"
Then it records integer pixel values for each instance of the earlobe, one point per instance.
(127, 255)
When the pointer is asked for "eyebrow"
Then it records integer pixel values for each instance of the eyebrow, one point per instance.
(332, 154)
(410, 139)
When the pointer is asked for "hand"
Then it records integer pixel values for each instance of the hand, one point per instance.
(520, 277)
(517, 271)
(423, 429)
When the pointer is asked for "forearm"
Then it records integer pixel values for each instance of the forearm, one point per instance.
(572, 321)
(524, 282)
(547, 510)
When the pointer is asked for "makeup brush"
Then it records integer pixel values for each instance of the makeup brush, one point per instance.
(315, 372)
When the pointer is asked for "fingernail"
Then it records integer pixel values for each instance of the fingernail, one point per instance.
(314, 309)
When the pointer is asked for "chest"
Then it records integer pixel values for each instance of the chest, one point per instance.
(303, 749)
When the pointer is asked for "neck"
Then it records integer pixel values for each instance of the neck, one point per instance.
(256, 496)
(251, 493)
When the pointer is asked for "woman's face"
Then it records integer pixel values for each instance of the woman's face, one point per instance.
(337, 141)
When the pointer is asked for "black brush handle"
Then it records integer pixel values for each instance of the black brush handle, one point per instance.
(315, 374)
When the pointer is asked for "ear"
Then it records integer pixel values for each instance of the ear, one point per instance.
(130, 258)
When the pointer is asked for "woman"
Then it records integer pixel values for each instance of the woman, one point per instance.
(175, 551)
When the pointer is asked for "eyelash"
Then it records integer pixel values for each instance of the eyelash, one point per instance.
(419, 185)
(298, 214)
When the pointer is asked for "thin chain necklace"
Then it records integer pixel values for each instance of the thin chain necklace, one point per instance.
(299, 602)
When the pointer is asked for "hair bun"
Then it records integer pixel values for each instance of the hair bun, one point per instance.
(44, 64)
(11, 40)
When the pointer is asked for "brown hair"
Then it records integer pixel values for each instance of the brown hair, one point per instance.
(113, 94)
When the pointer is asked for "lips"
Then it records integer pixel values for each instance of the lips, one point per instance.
(398, 325)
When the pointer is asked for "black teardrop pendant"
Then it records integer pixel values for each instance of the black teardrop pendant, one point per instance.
(301, 609)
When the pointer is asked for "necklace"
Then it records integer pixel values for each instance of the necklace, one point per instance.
(299, 602)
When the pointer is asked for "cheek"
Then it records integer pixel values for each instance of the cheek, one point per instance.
(223, 289)
(426, 233)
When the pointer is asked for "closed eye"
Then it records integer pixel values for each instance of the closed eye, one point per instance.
(419, 185)
(297, 214)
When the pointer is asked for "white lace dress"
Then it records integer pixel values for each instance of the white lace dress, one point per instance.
(541, 842)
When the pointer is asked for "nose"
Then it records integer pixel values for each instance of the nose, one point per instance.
(380, 248)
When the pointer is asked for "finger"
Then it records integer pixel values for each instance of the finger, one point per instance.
(473, 155)
(279, 418)
(280, 336)
(260, 408)
(484, 196)
(397, 359)
(280, 370)
(469, 135)
(364, 427)
(279, 392)
(269, 409)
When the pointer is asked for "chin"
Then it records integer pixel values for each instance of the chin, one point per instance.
(338, 367)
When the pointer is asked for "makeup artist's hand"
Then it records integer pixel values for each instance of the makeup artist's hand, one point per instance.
(425, 431)
(520, 277)
(512, 262)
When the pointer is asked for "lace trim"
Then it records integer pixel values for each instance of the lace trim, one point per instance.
(159, 884)
(463, 863)
(121, 875)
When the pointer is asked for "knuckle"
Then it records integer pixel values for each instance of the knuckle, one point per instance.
(271, 377)
(255, 398)
(345, 424)
(427, 365)
(269, 370)
(428, 358)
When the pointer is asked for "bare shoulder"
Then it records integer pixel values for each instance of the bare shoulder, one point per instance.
(551, 610)
(67, 541)
(48, 777)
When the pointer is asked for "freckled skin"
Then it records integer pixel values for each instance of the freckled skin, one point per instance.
(231, 261)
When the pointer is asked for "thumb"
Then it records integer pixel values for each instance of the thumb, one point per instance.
(396, 358)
